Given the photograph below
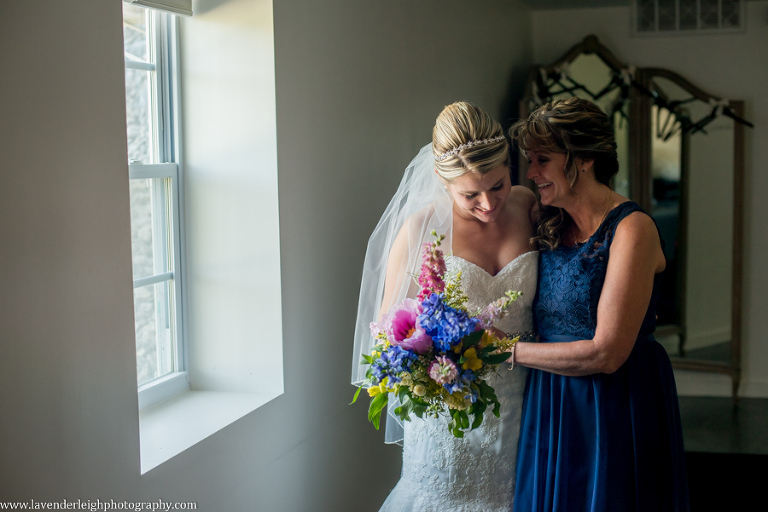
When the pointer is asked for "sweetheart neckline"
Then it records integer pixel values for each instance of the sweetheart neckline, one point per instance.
(502, 268)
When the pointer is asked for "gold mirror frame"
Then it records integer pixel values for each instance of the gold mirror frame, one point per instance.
(639, 100)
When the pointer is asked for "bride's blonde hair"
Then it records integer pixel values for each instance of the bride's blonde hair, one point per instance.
(466, 139)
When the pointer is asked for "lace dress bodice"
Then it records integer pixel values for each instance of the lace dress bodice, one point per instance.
(571, 282)
(477, 473)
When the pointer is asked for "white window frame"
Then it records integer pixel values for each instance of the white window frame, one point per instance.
(168, 157)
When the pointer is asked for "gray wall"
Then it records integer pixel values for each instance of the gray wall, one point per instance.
(358, 87)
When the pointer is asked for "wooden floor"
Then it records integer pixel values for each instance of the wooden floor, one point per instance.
(717, 425)
(726, 452)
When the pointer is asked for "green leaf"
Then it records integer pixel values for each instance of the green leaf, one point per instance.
(464, 420)
(357, 393)
(479, 411)
(495, 358)
(419, 409)
(405, 409)
(487, 391)
(485, 351)
(378, 404)
(472, 339)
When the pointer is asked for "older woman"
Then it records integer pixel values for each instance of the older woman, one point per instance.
(601, 428)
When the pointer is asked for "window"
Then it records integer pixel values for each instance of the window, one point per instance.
(151, 84)
(686, 16)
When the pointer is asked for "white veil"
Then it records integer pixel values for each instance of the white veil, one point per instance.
(420, 205)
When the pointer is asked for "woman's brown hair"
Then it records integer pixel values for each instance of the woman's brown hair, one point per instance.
(579, 129)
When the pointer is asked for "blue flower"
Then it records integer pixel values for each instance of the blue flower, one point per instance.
(444, 324)
(392, 362)
(463, 383)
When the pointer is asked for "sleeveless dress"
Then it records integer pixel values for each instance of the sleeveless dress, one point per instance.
(603, 442)
(442, 473)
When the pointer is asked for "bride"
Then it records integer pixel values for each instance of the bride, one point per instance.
(460, 186)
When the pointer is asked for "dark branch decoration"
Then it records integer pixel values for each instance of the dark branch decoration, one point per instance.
(554, 80)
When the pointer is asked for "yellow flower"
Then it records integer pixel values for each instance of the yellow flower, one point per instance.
(486, 340)
(471, 361)
(457, 401)
(419, 390)
(381, 388)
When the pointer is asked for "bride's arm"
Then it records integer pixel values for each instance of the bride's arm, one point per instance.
(397, 263)
(636, 256)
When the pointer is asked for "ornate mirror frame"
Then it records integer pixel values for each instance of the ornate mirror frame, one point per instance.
(635, 94)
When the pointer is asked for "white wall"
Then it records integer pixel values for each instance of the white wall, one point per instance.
(230, 184)
(358, 87)
(69, 425)
(728, 65)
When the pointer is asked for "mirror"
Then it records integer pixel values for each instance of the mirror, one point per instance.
(590, 71)
(681, 158)
(694, 151)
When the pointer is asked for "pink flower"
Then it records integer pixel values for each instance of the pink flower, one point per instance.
(403, 328)
(443, 370)
(432, 270)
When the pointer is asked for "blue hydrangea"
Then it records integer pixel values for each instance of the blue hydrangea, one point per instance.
(463, 382)
(444, 324)
(392, 362)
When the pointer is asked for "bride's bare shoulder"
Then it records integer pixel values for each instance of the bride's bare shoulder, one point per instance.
(524, 201)
(522, 195)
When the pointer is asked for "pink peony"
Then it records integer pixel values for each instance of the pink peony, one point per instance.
(403, 329)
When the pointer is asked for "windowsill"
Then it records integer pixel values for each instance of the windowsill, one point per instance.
(171, 427)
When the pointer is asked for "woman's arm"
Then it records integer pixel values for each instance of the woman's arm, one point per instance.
(397, 263)
(636, 256)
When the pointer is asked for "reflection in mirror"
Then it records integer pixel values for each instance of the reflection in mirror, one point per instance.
(590, 71)
(666, 209)
(692, 203)
(589, 77)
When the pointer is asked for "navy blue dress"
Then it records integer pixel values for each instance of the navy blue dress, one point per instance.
(599, 442)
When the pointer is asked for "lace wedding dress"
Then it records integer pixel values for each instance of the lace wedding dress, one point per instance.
(442, 473)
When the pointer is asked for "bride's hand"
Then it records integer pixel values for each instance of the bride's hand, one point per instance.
(496, 332)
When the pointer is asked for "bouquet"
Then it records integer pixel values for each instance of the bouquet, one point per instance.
(433, 354)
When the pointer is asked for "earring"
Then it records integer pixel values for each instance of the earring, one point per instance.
(583, 170)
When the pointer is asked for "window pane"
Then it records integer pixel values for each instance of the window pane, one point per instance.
(667, 14)
(137, 109)
(154, 332)
(689, 15)
(709, 13)
(135, 32)
(731, 10)
(139, 84)
(150, 228)
(646, 15)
